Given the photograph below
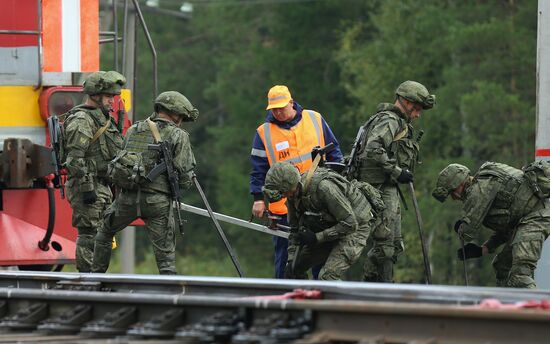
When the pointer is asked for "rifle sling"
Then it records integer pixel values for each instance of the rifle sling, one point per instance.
(154, 129)
(401, 134)
(312, 171)
(100, 131)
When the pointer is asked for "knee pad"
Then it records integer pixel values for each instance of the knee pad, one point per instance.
(382, 253)
(103, 238)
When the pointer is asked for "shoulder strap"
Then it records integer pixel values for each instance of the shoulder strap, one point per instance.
(311, 171)
(401, 134)
(154, 129)
(373, 118)
(101, 130)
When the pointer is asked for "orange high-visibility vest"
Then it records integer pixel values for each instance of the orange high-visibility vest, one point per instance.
(293, 145)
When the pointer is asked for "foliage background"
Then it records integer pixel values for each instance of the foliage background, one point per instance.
(342, 58)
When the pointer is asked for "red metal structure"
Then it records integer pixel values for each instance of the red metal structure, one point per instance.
(46, 47)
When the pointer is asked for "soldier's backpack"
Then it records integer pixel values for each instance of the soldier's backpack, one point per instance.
(538, 175)
(372, 194)
(126, 170)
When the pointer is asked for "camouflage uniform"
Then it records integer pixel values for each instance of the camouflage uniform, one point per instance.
(388, 150)
(502, 199)
(86, 160)
(151, 200)
(333, 209)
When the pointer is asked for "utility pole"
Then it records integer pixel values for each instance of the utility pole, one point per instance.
(542, 144)
(128, 236)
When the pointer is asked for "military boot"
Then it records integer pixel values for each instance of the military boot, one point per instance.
(102, 256)
(84, 252)
(385, 271)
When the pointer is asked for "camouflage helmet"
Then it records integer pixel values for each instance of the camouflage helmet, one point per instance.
(449, 179)
(417, 93)
(282, 177)
(177, 103)
(104, 83)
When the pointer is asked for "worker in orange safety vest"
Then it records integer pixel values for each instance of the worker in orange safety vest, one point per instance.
(288, 134)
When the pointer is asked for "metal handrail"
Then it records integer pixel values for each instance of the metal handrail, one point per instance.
(151, 45)
(115, 38)
(20, 32)
(39, 15)
(38, 33)
(110, 40)
(115, 26)
(124, 23)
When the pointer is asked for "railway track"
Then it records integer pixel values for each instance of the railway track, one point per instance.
(88, 308)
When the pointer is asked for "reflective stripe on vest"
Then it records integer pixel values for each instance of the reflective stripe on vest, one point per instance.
(293, 145)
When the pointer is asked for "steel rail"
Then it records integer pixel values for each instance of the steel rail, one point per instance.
(350, 318)
(237, 287)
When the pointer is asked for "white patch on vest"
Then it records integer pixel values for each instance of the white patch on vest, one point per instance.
(282, 146)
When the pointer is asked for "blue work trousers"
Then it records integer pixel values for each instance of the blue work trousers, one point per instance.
(281, 254)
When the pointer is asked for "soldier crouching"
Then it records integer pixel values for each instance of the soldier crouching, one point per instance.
(502, 199)
(330, 219)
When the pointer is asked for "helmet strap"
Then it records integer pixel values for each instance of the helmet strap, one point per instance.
(408, 112)
(175, 118)
(100, 105)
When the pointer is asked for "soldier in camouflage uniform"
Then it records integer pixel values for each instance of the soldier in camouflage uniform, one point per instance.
(91, 140)
(387, 156)
(330, 219)
(501, 198)
(152, 200)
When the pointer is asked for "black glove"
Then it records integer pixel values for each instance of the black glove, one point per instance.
(405, 177)
(89, 197)
(457, 225)
(472, 251)
(306, 237)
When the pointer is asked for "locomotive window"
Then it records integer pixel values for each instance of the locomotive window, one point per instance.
(62, 101)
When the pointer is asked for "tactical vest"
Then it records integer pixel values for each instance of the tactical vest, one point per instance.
(514, 198)
(404, 149)
(318, 219)
(293, 145)
(101, 151)
(538, 175)
(138, 142)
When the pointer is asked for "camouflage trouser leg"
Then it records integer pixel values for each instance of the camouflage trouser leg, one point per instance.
(531, 233)
(310, 256)
(387, 240)
(345, 253)
(87, 218)
(117, 217)
(502, 264)
(157, 212)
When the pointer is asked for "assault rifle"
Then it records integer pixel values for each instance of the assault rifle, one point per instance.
(322, 151)
(121, 116)
(55, 132)
(164, 148)
(351, 166)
